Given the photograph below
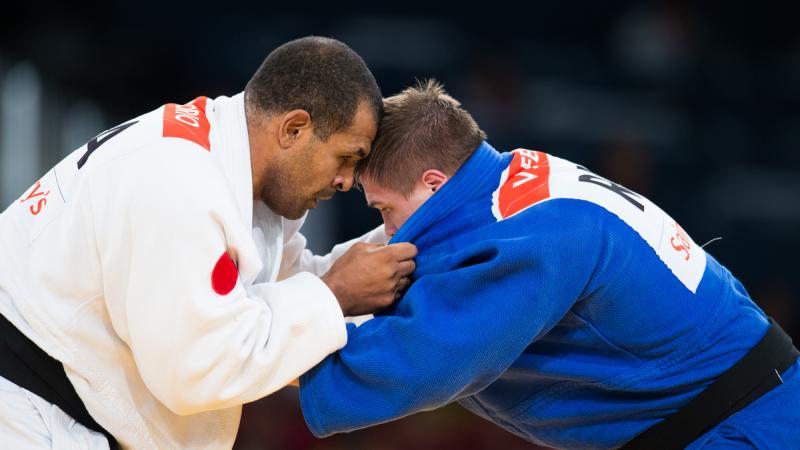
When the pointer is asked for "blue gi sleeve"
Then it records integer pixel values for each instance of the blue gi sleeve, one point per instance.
(459, 326)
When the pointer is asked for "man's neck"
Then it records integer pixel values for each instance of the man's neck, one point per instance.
(259, 131)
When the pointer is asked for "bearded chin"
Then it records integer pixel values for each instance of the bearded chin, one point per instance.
(284, 205)
(297, 212)
(280, 198)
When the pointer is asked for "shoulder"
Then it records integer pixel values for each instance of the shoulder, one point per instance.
(537, 186)
(158, 176)
(559, 220)
(168, 130)
(188, 122)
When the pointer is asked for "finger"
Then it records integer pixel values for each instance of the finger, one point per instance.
(401, 288)
(403, 284)
(368, 246)
(406, 268)
(402, 251)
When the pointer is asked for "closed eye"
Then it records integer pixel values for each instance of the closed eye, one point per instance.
(377, 205)
(348, 160)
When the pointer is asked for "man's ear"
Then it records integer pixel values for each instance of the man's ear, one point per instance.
(434, 179)
(295, 125)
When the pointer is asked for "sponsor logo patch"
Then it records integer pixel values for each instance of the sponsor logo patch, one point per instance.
(188, 122)
(524, 183)
(533, 177)
(36, 198)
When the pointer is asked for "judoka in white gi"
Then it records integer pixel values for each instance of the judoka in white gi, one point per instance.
(162, 266)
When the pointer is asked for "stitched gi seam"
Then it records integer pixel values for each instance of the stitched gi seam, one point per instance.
(596, 333)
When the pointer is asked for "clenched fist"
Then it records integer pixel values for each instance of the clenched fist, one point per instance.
(370, 277)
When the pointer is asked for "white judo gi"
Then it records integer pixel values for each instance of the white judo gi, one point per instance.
(142, 263)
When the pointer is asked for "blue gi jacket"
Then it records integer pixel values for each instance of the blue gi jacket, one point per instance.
(555, 303)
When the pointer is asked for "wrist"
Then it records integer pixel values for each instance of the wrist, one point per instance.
(335, 288)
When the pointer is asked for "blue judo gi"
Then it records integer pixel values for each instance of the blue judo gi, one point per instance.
(560, 306)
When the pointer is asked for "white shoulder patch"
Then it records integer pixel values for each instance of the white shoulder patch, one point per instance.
(533, 177)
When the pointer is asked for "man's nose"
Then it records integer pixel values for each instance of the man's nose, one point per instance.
(345, 179)
(343, 183)
(388, 228)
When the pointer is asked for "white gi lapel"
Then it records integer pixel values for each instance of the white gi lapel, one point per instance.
(268, 236)
(230, 137)
(231, 148)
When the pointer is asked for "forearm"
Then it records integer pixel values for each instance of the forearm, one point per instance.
(297, 258)
(246, 352)
(386, 372)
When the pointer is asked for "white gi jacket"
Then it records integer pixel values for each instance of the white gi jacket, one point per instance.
(121, 262)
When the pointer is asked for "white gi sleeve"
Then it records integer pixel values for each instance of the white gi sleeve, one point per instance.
(297, 258)
(200, 340)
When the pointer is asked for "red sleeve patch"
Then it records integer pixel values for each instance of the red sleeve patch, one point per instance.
(224, 275)
(524, 183)
(188, 122)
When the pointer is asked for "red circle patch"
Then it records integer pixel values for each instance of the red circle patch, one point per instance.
(224, 275)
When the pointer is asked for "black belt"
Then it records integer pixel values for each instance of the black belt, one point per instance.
(750, 378)
(25, 364)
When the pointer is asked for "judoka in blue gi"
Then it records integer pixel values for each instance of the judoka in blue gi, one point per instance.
(557, 304)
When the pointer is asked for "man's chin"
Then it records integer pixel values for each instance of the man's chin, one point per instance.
(295, 214)
(289, 212)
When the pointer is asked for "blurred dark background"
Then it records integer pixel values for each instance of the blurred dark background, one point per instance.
(693, 105)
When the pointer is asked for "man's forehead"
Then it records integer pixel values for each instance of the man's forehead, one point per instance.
(364, 122)
(360, 134)
(354, 142)
(352, 139)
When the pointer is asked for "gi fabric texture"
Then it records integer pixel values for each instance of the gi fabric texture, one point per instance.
(557, 304)
(142, 263)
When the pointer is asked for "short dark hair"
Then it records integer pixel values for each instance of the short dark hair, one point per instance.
(322, 76)
(422, 128)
